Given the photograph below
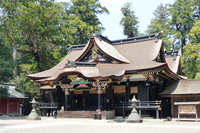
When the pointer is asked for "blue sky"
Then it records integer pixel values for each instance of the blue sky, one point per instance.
(143, 10)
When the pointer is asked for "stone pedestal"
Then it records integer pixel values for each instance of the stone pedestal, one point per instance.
(33, 115)
(20, 109)
(134, 117)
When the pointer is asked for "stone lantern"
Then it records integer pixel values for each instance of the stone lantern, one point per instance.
(33, 115)
(134, 117)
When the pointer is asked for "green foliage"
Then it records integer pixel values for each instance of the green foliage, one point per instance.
(182, 19)
(197, 76)
(190, 60)
(160, 23)
(83, 19)
(6, 61)
(41, 30)
(3, 92)
(36, 28)
(129, 21)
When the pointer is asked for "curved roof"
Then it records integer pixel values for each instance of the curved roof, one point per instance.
(104, 47)
(110, 50)
(135, 56)
(173, 64)
(51, 72)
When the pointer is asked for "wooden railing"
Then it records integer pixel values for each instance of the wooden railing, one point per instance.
(149, 105)
(48, 105)
(141, 105)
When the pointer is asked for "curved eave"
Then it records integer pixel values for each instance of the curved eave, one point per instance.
(87, 72)
(110, 50)
(116, 71)
(158, 50)
(173, 67)
(105, 48)
(173, 64)
(153, 69)
(54, 70)
(174, 74)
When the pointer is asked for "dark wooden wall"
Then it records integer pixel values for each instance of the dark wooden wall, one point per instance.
(188, 98)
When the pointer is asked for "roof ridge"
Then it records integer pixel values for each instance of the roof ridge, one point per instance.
(115, 42)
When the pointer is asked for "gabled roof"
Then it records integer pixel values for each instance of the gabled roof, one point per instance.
(182, 87)
(133, 55)
(105, 48)
(12, 92)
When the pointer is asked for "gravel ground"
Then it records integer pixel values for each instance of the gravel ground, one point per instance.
(51, 125)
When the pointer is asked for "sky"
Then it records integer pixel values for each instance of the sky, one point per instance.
(143, 11)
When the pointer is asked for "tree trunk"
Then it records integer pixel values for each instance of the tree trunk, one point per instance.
(15, 58)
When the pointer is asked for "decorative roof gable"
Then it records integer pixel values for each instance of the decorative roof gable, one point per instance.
(98, 50)
(95, 55)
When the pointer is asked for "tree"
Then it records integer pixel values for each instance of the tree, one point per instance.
(6, 61)
(182, 20)
(83, 19)
(196, 5)
(36, 28)
(3, 92)
(129, 21)
(160, 23)
(191, 58)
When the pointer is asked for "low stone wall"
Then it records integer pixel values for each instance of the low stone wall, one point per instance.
(108, 115)
(85, 114)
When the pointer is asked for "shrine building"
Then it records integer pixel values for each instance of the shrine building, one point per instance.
(103, 75)
(10, 104)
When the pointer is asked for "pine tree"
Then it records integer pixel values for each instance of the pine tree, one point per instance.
(83, 19)
(160, 23)
(129, 21)
(182, 20)
(6, 61)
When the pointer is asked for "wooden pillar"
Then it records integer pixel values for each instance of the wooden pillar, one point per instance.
(17, 106)
(66, 99)
(56, 94)
(7, 111)
(127, 93)
(172, 106)
(40, 112)
(110, 93)
(99, 98)
(147, 90)
(71, 100)
(147, 95)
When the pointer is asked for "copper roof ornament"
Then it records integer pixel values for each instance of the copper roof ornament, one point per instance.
(95, 34)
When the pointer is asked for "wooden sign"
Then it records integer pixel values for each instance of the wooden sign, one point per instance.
(187, 109)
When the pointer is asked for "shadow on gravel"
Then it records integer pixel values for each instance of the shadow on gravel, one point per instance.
(12, 117)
